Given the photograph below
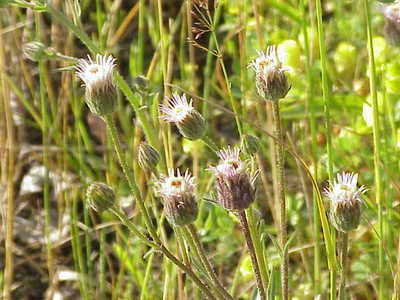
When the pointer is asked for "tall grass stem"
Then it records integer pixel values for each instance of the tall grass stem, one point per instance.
(377, 146)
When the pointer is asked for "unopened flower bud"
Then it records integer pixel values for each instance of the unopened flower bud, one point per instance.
(271, 80)
(250, 143)
(100, 91)
(148, 157)
(345, 202)
(189, 121)
(141, 85)
(391, 12)
(100, 196)
(234, 186)
(36, 51)
(180, 204)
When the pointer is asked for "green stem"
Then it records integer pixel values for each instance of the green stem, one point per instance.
(377, 146)
(343, 261)
(313, 130)
(246, 232)
(148, 128)
(203, 257)
(326, 96)
(255, 236)
(129, 175)
(325, 88)
(209, 143)
(227, 82)
(160, 247)
(280, 181)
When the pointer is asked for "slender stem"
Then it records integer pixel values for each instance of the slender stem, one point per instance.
(313, 130)
(227, 82)
(150, 227)
(203, 257)
(325, 96)
(343, 261)
(132, 227)
(377, 146)
(255, 235)
(189, 271)
(9, 169)
(129, 175)
(159, 246)
(209, 143)
(246, 232)
(325, 88)
(280, 180)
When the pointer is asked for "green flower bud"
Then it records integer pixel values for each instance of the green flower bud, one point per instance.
(148, 157)
(141, 85)
(193, 127)
(36, 51)
(100, 196)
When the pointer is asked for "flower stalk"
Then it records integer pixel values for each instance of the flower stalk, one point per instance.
(343, 249)
(235, 192)
(246, 232)
(280, 189)
(206, 262)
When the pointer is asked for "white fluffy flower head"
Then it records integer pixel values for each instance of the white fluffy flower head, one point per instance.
(230, 163)
(96, 74)
(266, 61)
(344, 189)
(176, 185)
(177, 109)
(391, 11)
(271, 81)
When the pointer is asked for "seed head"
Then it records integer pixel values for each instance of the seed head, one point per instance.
(233, 184)
(148, 157)
(345, 202)
(100, 196)
(271, 81)
(391, 13)
(100, 92)
(180, 205)
(189, 121)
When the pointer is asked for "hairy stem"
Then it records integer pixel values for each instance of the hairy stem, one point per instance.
(207, 264)
(280, 182)
(246, 232)
(344, 241)
(129, 175)
(160, 247)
